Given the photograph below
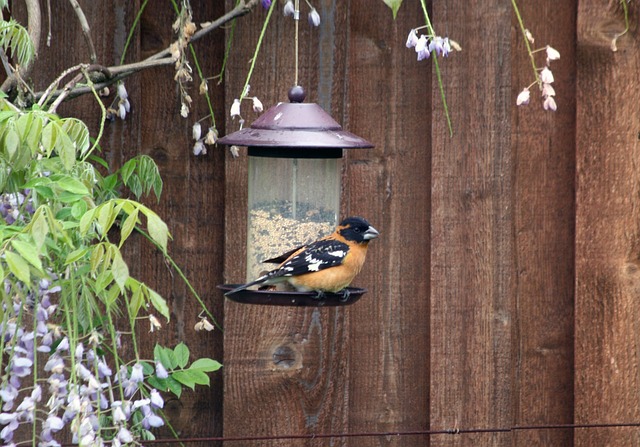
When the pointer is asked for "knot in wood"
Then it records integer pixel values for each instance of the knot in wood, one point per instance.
(285, 357)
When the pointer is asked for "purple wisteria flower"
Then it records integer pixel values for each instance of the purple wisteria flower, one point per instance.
(266, 4)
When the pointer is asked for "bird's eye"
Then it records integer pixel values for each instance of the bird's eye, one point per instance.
(357, 229)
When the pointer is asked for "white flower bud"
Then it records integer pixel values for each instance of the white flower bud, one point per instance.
(235, 108)
(552, 54)
(199, 148)
(122, 91)
(196, 131)
(257, 105)
(289, 9)
(550, 104)
(523, 97)
(546, 76)
(212, 136)
(314, 17)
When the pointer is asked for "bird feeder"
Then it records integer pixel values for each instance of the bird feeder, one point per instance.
(295, 152)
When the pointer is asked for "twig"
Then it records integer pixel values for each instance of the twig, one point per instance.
(68, 88)
(119, 72)
(242, 8)
(86, 30)
(65, 92)
(55, 83)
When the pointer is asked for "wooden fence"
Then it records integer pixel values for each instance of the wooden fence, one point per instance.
(504, 290)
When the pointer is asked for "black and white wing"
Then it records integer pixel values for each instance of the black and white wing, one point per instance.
(317, 256)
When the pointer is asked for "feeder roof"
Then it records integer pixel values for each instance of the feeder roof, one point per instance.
(296, 125)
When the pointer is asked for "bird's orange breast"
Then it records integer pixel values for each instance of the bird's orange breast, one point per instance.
(333, 279)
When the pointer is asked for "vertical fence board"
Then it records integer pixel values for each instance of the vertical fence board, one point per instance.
(472, 257)
(389, 104)
(192, 201)
(285, 368)
(607, 227)
(544, 220)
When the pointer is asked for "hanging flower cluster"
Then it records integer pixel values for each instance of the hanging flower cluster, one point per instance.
(209, 139)
(543, 77)
(79, 392)
(290, 11)
(121, 105)
(425, 45)
(185, 29)
(236, 113)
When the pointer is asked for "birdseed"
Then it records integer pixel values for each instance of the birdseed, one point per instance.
(274, 231)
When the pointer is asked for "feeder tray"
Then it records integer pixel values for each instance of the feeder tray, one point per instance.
(300, 299)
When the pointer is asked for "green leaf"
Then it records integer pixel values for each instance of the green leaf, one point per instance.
(102, 281)
(181, 352)
(168, 384)
(110, 182)
(165, 356)
(127, 169)
(128, 226)
(76, 255)
(159, 303)
(45, 192)
(106, 216)
(394, 5)
(136, 302)
(97, 256)
(120, 270)
(78, 133)
(50, 137)
(39, 228)
(11, 143)
(86, 220)
(18, 266)
(66, 150)
(157, 229)
(78, 209)
(70, 184)
(29, 252)
(206, 365)
(15, 39)
(68, 197)
(191, 378)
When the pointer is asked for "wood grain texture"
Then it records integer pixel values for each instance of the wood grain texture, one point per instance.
(543, 143)
(472, 228)
(607, 226)
(192, 204)
(285, 368)
(389, 103)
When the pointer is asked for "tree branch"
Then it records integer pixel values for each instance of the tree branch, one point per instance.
(120, 72)
(86, 30)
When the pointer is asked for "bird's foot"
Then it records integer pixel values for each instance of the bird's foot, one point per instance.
(345, 295)
(319, 295)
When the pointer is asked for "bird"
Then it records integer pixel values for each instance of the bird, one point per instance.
(326, 265)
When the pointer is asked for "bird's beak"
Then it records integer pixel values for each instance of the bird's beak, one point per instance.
(371, 233)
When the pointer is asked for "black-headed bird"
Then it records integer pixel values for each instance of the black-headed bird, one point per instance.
(326, 265)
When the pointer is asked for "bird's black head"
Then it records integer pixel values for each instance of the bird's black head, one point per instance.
(357, 229)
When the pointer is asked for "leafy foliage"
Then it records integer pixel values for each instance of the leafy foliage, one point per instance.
(62, 227)
(176, 361)
(15, 40)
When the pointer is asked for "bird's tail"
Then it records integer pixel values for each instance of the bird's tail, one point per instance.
(260, 280)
